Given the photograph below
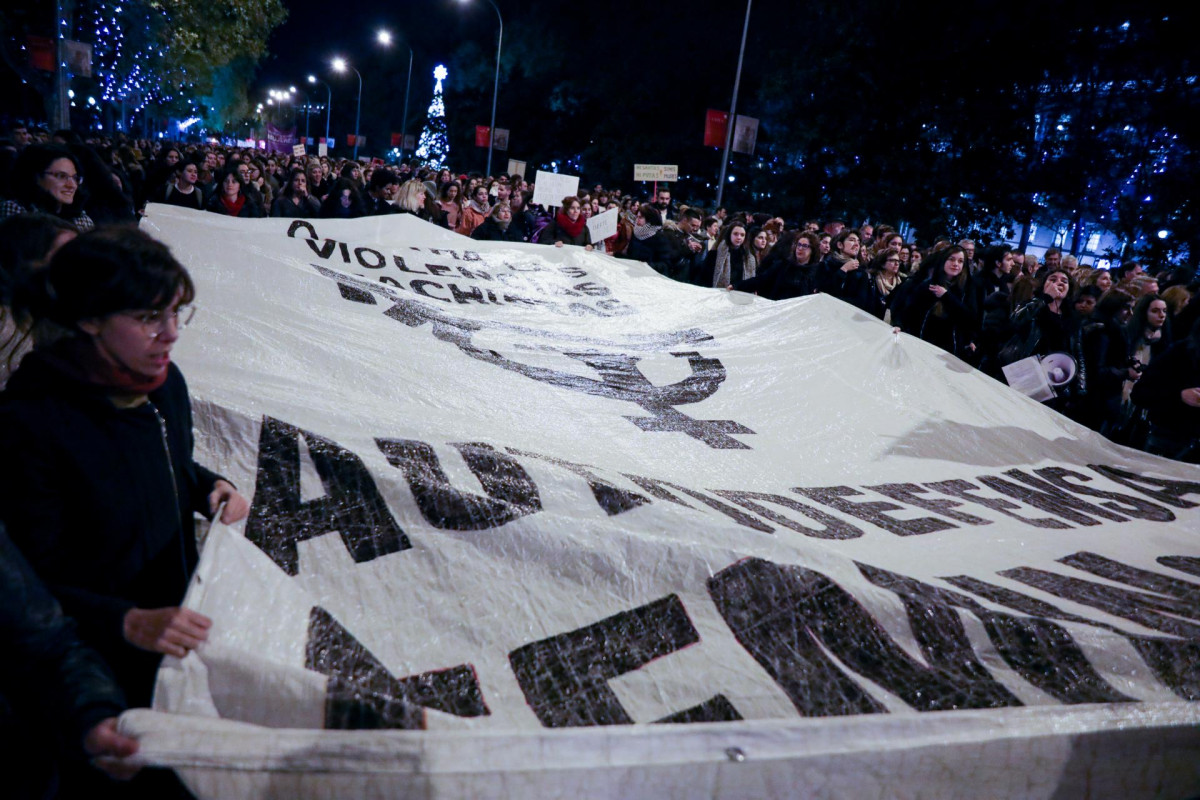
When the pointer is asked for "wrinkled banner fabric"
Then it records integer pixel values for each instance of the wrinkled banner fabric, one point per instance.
(532, 521)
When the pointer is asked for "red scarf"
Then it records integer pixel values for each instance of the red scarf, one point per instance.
(572, 229)
(78, 358)
(234, 208)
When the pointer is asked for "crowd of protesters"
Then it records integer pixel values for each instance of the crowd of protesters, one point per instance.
(90, 308)
(990, 307)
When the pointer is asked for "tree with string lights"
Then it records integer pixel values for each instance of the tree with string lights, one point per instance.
(434, 146)
(147, 54)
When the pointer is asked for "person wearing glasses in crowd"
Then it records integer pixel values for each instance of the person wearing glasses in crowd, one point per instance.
(98, 486)
(47, 178)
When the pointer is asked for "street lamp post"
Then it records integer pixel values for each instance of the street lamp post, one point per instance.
(495, 88)
(307, 109)
(385, 39)
(733, 108)
(328, 102)
(340, 65)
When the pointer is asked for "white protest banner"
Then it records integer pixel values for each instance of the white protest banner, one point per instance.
(532, 521)
(656, 172)
(551, 187)
(603, 225)
(322, 148)
(516, 167)
(745, 134)
(298, 150)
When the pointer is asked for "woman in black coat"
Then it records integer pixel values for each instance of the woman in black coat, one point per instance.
(940, 308)
(843, 275)
(648, 243)
(98, 486)
(789, 270)
(730, 262)
(294, 200)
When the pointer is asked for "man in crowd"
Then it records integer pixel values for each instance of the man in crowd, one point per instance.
(689, 251)
(1053, 259)
(662, 203)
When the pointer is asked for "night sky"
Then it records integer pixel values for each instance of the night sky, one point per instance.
(683, 53)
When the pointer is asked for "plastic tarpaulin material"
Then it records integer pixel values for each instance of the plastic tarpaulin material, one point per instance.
(532, 521)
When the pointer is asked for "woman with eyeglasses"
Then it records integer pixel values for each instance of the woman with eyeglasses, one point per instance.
(884, 270)
(789, 270)
(98, 486)
(47, 178)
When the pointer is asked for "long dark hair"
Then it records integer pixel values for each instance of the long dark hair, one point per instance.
(33, 161)
(1136, 327)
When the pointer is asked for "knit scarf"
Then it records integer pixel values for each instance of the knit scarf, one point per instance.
(568, 226)
(886, 282)
(78, 358)
(482, 210)
(749, 265)
(234, 208)
(644, 232)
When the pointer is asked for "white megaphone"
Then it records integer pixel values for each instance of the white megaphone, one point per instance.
(1059, 368)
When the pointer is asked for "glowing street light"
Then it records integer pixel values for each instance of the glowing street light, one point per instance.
(328, 102)
(340, 65)
(385, 38)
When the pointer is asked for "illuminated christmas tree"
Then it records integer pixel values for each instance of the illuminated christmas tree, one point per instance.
(434, 147)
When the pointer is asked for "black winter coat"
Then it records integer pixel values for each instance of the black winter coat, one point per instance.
(953, 329)
(490, 231)
(854, 287)
(657, 251)
(309, 208)
(1159, 390)
(45, 664)
(87, 494)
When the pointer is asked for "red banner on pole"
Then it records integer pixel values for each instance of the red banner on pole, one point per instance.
(397, 138)
(483, 135)
(715, 123)
(41, 52)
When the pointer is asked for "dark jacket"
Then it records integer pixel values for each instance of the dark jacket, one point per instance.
(952, 329)
(1039, 331)
(44, 662)
(377, 206)
(1106, 356)
(1160, 387)
(309, 208)
(173, 197)
(782, 280)
(655, 250)
(87, 494)
(854, 287)
(490, 231)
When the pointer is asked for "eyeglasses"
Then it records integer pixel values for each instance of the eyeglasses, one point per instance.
(65, 176)
(803, 246)
(155, 322)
